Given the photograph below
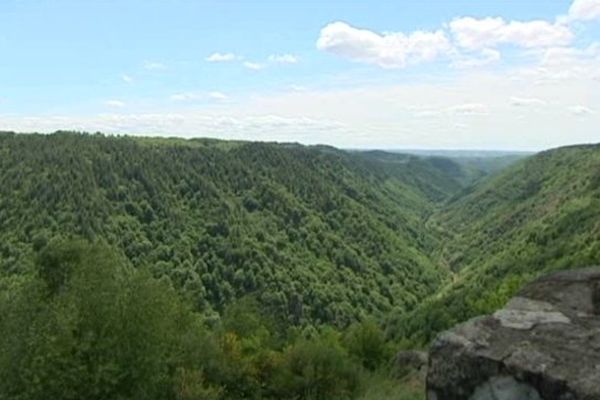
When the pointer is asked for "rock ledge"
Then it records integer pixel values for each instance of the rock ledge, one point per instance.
(544, 345)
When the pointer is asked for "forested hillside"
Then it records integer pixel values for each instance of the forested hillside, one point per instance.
(540, 215)
(186, 269)
(317, 234)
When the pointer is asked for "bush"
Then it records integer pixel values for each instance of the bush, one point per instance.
(316, 369)
(366, 343)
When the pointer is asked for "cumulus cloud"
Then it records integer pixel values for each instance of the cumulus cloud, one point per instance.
(481, 59)
(126, 78)
(469, 109)
(196, 96)
(585, 10)
(565, 56)
(566, 64)
(217, 96)
(154, 66)
(271, 127)
(253, 65)
(186, 96)
(115, 103)
(466, 109)
(388, 50)
(297, 88)
(468, 41)
(221, 57)
(580, 110)
(526, 101)
(475, 34)
(283, 58)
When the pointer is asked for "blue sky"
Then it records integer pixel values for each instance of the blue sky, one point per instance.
(441, 74)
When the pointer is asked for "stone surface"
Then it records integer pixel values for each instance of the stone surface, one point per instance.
(545, 344)
(504, 388)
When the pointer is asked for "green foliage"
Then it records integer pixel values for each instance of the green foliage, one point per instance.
(110, 331)
(537, 216)
(233, 270)
(88, 327)
(316, 235)
(366, 342)
(316, 369)
(379, 386)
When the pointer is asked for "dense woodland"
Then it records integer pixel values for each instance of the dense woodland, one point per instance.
(317, 235)
(200, 269)
(537, 216)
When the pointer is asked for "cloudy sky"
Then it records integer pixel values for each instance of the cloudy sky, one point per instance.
(441, 74)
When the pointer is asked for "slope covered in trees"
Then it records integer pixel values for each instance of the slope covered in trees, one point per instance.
(317, 234)
(86, 324)
(186, 269)
(539, 215)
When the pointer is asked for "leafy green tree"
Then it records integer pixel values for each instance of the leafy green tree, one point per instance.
(366, 342)
(89, 326)
(316, 369)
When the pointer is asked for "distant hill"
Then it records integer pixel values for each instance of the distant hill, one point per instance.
(319, 235)
(464, 153)
(316, 234)
(539, 215)
(473, 164)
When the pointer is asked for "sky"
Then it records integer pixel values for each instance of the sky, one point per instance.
(440, 74)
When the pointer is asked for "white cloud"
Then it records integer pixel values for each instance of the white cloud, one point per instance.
(115, 103)
(197, 96)
(221, 57)
(483, 58)
(283, 58)
(186, 96)
(154, 66)
(550, 97)
(584, 10)
(459, 110)
(466, 111)
(526, 101)
(562, 64)
(469, 109)
(266, 127)
(297, 88)
(469, 42)
(388, 50)
(475, 34)
(580, 110)
(126, 78)
(253, 65)
(565, 56)
(217, 96)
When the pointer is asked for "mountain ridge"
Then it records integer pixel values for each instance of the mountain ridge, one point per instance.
(319, 235)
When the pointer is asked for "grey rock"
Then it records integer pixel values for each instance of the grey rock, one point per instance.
(504, 388)
(543, 345)
(523, 313)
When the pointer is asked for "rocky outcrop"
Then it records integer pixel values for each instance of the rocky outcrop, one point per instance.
(545, 344)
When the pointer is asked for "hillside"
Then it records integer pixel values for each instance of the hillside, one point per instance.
(317, 234)
(541, 214)
(184, 269)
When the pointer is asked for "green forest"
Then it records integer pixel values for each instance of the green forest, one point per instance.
(153, 268)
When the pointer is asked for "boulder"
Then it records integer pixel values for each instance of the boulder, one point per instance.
(544, 344)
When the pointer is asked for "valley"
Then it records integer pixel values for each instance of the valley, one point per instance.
(279, 250)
